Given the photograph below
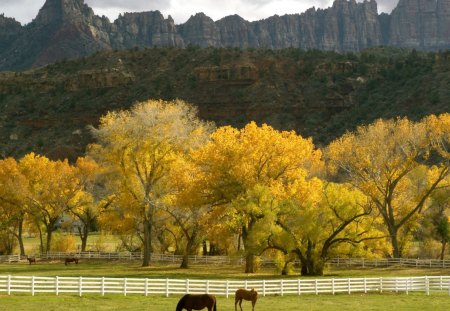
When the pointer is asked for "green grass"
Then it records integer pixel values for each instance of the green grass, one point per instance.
(96, 240)
(97, 268)
(372, 302)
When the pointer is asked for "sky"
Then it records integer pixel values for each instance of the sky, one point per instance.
(180, 10)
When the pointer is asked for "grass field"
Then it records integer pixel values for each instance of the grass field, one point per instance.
(124, 269)
(375, 302)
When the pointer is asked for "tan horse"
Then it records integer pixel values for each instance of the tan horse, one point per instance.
(243, 294)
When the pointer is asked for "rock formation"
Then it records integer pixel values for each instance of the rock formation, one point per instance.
(70, 29)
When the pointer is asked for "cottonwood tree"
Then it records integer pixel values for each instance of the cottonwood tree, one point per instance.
(53, 188)
(238, 163)
(320, 220)
(13, 201)
(386, 161)
(87, 208)
(137, 147)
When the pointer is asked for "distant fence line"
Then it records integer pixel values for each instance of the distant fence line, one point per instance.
(235, 260)
(125, 286)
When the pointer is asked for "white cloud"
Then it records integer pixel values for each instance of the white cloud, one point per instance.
(25, 10)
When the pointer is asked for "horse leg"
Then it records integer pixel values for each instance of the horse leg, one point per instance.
(235, 304)
(240, 304)
(253, 305)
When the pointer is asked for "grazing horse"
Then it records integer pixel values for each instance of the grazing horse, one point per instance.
(197, 302)
(250, 295)
(70, 259)
(31, 259)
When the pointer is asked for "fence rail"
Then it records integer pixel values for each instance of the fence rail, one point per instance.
(126, 286)
(236, 260)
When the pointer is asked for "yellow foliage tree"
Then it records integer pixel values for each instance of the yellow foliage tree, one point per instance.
(13, 200)
(386, 161)
(239, 165)
(53, 189)
(137, 148)
(318, 220)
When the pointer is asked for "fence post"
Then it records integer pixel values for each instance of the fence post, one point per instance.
(427, 285)
(9, 285)
(167, 287)
(332, 286)
(407, 286)
(365, 286)
(381, 285)
(32, 285)
(264, 288)
(226, 289)
(146, 287)
(80, 286)
(207, 286)
(315, 287)
(245, 284)
(103, 286)
(187, 286)
(349, 286)
(299, 287)
(57, 285)
(125, 286)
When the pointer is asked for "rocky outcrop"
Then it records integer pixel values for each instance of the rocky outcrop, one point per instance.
(200, 30)
(10, 30)
(421, 24)
(144, 30)
(70, 29)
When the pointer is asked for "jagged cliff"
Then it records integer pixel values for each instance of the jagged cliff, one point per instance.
(70, 29)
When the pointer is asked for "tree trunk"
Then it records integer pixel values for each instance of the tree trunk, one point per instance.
(396, 251)
(84, 233)
(444, 244)
(147, 243)
(41, 240)
(250, 263)
(49, 238)
(20, 238)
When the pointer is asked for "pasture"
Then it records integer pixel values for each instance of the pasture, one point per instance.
(373, 302)
(309, 302)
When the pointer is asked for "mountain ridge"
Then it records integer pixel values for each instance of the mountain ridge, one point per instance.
(70, 29)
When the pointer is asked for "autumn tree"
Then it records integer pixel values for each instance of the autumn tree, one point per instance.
(53, 188)
(137, 147)
(387, 161)
(239, 163)
(13, 202)
(320, 220)
(87, 207)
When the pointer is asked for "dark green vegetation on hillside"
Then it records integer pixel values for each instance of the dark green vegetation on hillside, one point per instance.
(318, 94)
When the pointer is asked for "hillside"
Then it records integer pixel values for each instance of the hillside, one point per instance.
(68, 29)
(319, 94)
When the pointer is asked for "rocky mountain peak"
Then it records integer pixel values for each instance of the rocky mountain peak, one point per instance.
(69, 29)
(62, 10)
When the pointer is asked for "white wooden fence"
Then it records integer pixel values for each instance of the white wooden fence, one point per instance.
(126, 286)
(170, 258)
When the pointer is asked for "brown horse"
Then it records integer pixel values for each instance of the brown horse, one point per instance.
(31, 259)
(197, 302)
(250, 295)
(70, 259)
